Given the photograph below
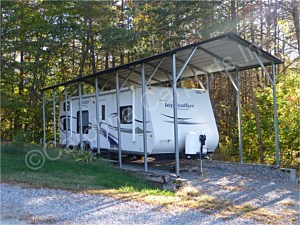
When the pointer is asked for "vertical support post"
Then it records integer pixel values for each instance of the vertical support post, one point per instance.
(118, 118)
(207, 83)
(239, 117)
(133, 114)
(208, 90)
(54, 118)
(80, 115)
(44, 120)
(144, 118)
(275, 117)
(175, 114)
(97, 114)
(66, 114)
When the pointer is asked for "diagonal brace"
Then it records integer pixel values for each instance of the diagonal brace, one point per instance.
(193, 66)
(124, 78)
(197, 78)
(156, 68)
(186, 63)
(127, 77)
(264, 68)
(230, 78)
(104, 85)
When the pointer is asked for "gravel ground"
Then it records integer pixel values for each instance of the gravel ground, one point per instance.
(259, 186)
(23, 205)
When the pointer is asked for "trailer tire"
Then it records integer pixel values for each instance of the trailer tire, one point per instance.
(111, 155)
(86, 146)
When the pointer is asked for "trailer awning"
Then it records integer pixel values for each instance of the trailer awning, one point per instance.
(227, 52)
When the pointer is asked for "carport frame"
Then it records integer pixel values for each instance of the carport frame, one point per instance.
(254, 50)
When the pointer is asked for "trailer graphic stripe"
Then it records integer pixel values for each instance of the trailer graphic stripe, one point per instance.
(183, 122)
(140, 121)
(115, 115)
(128, 130)
(65, 131)
(172, 117)
(110, 136)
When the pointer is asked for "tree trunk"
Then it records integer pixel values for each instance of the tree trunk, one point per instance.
(268, 28)
(233, 16)
(92, 46)
(296, 18)
(73, 55)
(275, 28)
(122, 58)
(21, 78)
(106, 60)
(17, 122)
(232, 91)
(113, 61)
(261, 75)
(254, 104)
(233, 112)
(85, 47)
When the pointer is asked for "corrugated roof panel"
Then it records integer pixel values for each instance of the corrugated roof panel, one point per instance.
(242, 56)
(212, 54)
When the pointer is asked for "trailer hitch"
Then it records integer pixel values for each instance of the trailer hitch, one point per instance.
(202, 139)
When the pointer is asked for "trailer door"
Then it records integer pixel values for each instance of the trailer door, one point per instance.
(104, 129)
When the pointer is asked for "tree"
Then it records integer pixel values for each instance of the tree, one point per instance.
(44, 43)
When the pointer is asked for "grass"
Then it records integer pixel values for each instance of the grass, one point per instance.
(100, 178)
(65, 173)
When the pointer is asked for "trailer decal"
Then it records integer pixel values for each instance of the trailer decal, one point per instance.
(172, 117)
(183, 122)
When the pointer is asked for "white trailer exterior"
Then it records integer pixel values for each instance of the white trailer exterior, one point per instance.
(195, 116)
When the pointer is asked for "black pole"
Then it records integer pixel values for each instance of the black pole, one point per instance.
(202, 139)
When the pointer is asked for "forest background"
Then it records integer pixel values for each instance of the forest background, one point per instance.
(48, 42)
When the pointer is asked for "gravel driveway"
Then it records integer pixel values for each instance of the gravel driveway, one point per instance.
(239, 184)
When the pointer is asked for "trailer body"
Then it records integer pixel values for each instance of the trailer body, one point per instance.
(195, 116)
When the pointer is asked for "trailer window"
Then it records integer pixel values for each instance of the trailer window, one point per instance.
(68, 106)
(102, 112)
(126, 114)
(85, 122)
(64, 124)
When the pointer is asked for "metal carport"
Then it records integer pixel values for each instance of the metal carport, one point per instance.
(225, 53)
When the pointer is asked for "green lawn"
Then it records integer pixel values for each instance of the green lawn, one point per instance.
(66, 173)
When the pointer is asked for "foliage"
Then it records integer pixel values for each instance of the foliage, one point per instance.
(289, 119)
(44, 42)
(288, 99)
(86, 156)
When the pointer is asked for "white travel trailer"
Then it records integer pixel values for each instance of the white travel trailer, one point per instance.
(195, 116)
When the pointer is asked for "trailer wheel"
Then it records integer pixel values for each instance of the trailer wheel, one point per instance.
(111, 155)
(86, 146)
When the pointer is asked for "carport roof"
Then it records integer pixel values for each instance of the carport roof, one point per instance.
(225, 52)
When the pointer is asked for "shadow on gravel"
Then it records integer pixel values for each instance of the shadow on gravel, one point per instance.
(261, 189)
